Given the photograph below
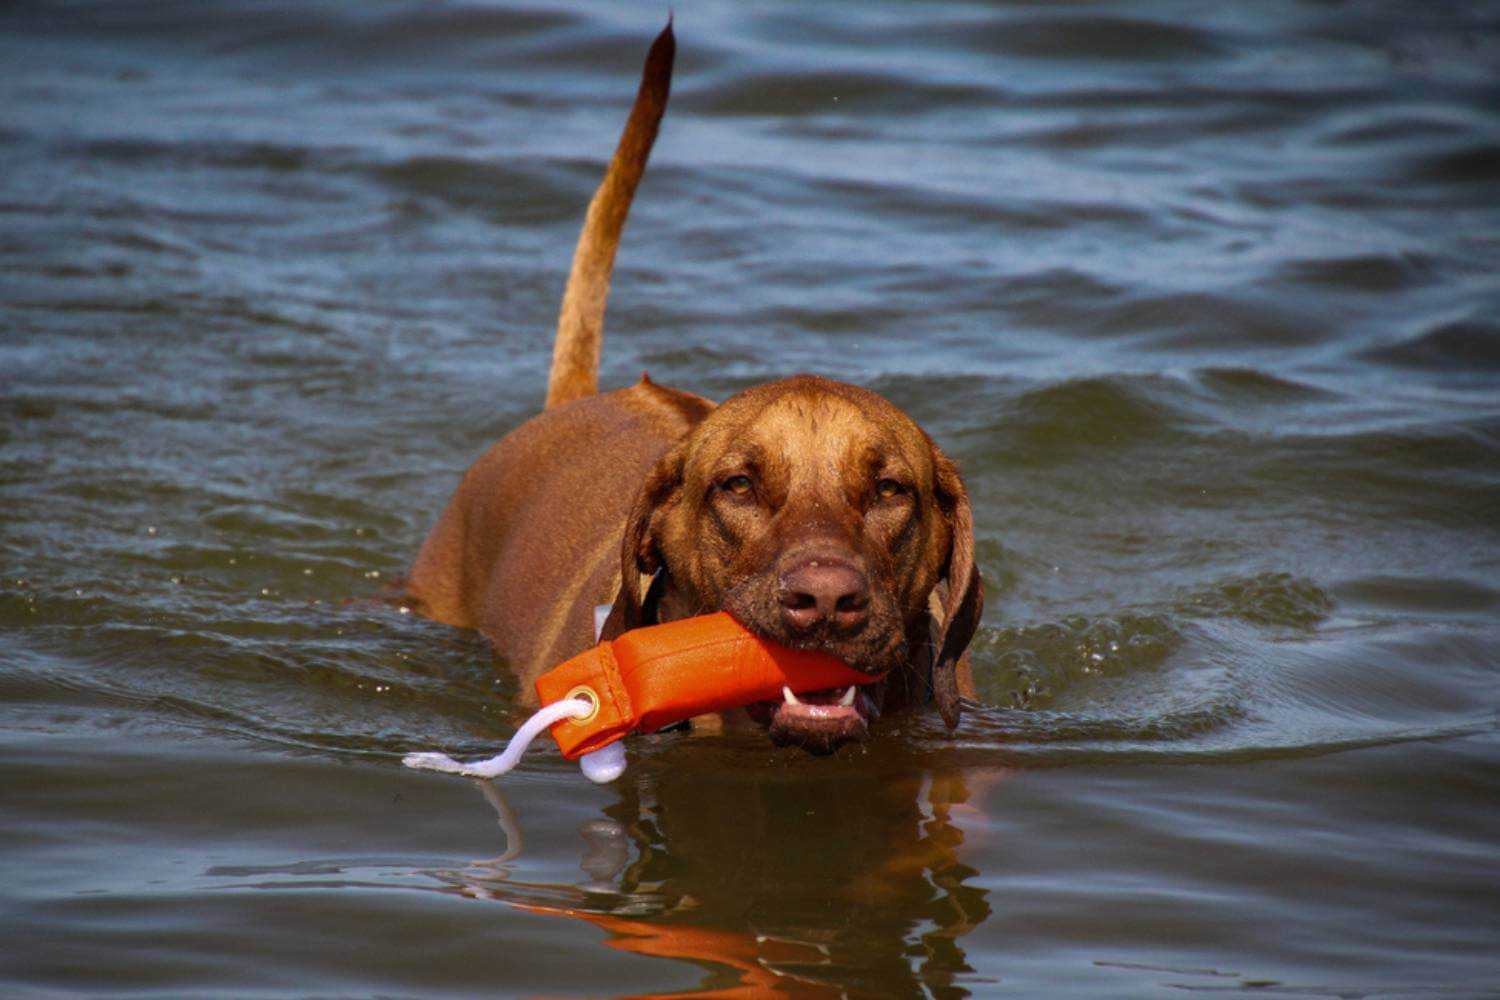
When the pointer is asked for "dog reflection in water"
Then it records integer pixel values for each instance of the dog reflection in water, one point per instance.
(824, 884)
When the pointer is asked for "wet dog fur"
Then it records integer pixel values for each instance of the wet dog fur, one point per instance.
(816, 512)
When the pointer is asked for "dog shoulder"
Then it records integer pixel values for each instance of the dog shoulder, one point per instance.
(544, 504)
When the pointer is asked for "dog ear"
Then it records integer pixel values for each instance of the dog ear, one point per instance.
(964, 603)
(640, 554)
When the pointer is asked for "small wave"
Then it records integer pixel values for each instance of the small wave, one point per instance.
(1190, 126)
(1466, 345)
(1189, 320)
(1469, 165)
(1462, 451)
(1203, 401)
(273, 526)
(1360, 273)
(531, 193)
(786, 94)
(936, 208)
(1056, 298)
(1005, 746)
(1252, 386)
(940, 401)
(1270, 599)
(696, 357)
(1074, 39)
(225, 153)
(337, 40)
(1422, 595)
(1057, 420)
(1383, 126)
(1025, 666)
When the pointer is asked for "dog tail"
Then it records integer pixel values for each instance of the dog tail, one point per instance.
(580, 324)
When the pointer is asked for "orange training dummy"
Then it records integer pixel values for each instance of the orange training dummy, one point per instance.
(652, 677)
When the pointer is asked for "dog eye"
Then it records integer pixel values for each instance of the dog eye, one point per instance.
(887, 488)
(738, 485)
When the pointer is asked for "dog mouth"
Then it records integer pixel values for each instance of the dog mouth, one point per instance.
(817, 721)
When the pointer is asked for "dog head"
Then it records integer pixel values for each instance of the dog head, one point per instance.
(821, 517)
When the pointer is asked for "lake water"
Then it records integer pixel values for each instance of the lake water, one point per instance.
(1203, 298)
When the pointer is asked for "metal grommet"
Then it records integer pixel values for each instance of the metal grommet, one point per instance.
(584, 693)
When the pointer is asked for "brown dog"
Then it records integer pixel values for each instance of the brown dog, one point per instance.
(817, 513)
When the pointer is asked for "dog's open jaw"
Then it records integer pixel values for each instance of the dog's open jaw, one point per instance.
(817, 721)
(821, 722)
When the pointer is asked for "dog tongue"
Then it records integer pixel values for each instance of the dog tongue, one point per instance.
(818, 728)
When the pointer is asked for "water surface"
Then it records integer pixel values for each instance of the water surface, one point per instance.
(1203, 301)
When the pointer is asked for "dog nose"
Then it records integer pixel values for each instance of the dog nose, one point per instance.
(824, 591)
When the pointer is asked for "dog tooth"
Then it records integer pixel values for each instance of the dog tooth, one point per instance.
(791, 699)
(848, 698)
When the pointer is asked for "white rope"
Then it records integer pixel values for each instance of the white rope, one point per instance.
(575, 708)
(601, 766)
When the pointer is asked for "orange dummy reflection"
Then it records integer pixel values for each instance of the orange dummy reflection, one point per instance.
(882, 907)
